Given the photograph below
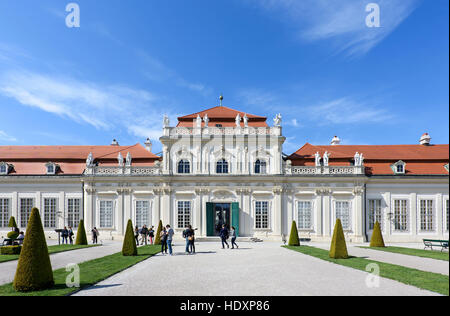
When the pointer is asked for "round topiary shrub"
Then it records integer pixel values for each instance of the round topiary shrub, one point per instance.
(293, 238)
(13, 235)
(81, 234)
(34, 270)
(129, 247)
(158, 232)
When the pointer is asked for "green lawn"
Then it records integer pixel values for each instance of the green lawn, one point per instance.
(51, 249)
(434, 282)
(414, 252)
(91, 272)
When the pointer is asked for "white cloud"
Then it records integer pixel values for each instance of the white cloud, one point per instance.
(105, 107)
(341, 21)
(6, 137)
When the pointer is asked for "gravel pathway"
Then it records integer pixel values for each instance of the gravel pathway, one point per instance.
(261, 269)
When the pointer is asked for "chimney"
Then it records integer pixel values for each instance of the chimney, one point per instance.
(335, 141)
(425, 139)
(115, 142)
(148, 145)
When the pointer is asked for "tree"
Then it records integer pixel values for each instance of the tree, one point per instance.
(158, 232)
(81, 234)
(12, 222)
(293, 238)
(377, 237)
(34, 270)
(129, 247)
(338, 248)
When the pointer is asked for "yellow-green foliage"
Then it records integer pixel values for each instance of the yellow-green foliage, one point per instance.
(158, 232)
(34, 270)
(129, 243)
(10, 250)
(12, 235)
(81, 234)
(293, 238)
(377, 237)
(12, 222)
(338, 248)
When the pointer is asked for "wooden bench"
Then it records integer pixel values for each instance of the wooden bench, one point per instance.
(429, 243)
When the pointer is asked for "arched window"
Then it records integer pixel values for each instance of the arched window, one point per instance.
(260, 167)
(184, 166)
(222, 166)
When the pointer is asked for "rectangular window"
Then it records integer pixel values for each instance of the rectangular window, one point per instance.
(426, 215)
(142, 213)
(375, 214)
(73, 212)
(50, 209)
(262, 215)
(304, 215)
(401, 215)
(184, 214)
(4, 212)
(26, 204)
(343, 213)
(106, 214)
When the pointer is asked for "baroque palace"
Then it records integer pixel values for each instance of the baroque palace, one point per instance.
(222, 166)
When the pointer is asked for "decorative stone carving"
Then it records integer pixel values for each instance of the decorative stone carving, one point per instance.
(198, 122)
(206, 120)
(317, 159)
(277, 120)
(326, 159)
(166, 121)
(245, 120)
(120, 160)
(358, 190)
(238, 120)
(128, 160)
(90, 160)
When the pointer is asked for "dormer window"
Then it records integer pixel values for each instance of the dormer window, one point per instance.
(50, 168)
(4, 168)
(260, 167)
(399, 167)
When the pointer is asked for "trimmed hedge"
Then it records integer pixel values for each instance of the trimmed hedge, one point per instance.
(129, 247)
(10, 250)
(81, 234)
(12, 235)
(158, 232)
(34, 270)
(12, 222)
(338, 248)
(293, 238)
(377, 237)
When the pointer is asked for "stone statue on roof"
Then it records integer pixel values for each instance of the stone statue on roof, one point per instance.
(238, 120)
(198, 122)
(166, 121)
(89, 160)
(206, 120)
(277, 120)
(361, 159)
(120, 159)
(245, 120)
(326, 159)
(357, 159)
(128, 160)
(317, 159)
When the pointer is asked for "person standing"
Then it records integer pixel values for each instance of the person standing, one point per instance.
(233, 237)
(136, 235)
(151, 234)
(224, 234)
(64, 235)
(186, 234)
(170, 234)
(144, 233)
(70, 235)
(95, 235)
(191, 239)
(163, 236)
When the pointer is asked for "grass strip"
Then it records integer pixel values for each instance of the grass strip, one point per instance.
(91, 272)
(51, 250)
(434, 282)
(414, 252)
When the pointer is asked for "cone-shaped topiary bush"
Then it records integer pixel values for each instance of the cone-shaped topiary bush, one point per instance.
(377, 237)
(158, 232)
(338, 248)
(293, 238)
(34, 270)
(12, 222)
(129, 247)
(81, 234)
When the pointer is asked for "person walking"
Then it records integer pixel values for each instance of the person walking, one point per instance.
(136, 235)
(64, 235)
(163, 236)
(95, 235)
(70, 235)
(144, 233)
(170, 234)
(233, 237)
(151, 234)
(224, 234)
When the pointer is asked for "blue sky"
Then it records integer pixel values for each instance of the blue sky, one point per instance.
(313, 61)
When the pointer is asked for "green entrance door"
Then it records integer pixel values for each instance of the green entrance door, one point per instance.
(218, 214)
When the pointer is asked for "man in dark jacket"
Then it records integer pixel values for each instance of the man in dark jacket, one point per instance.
(224, 236)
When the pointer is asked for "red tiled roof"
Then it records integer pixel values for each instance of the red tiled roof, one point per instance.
(31, 160)
(419, 159)
(224, 116)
